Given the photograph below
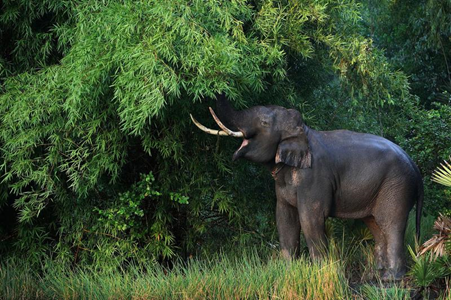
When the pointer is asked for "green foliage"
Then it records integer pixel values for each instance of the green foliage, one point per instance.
(442, 174)
(34, 34)
(129, 217)
(110, 101)
(125, 214)
(432, 263)
(95, 93)
(415, 36)
(371, 292)
(426, 270)
(426, 139)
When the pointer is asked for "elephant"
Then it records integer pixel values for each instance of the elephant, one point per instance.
(321, 174)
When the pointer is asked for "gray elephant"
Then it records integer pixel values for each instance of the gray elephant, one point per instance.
(321, 174)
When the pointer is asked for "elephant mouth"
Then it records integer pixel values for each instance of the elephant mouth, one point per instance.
(238, 153)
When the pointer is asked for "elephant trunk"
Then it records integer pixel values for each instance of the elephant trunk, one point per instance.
(229, 117)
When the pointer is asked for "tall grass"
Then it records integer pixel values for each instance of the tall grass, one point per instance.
(346, 272)
(247, 277)
(380, 292)
(18, 282)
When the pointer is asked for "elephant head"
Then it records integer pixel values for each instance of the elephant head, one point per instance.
(270, 133)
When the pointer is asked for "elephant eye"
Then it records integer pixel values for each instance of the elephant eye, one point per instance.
(265, 124)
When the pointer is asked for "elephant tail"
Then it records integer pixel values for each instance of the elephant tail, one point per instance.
(420, 198)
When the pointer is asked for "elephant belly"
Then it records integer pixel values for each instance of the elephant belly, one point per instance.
(357, 214)
(354, 205)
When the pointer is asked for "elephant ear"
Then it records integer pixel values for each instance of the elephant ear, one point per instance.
(293, 150)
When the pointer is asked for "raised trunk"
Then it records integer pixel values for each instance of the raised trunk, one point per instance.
(228, 116)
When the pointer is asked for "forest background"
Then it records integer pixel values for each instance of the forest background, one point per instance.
(100, 164)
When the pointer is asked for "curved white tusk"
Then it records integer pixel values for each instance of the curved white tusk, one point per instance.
(208, 130)
(227, 130)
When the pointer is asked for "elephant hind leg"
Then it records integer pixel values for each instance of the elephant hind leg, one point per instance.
(380, 247)
(396, 262)
(391, 213)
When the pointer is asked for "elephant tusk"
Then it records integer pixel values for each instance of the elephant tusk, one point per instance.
(208, 130)
(223, 127)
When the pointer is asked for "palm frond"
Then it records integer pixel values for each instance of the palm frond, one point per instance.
(442, 174)
(425, 270)
(437, 245)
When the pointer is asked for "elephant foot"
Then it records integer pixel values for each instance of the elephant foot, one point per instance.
(287, 255)
(393, 275)
(380, 266)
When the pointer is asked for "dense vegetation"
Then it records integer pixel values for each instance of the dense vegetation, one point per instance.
(100, 164)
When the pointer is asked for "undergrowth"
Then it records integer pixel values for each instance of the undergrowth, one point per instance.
(346, 272)
(249, 276)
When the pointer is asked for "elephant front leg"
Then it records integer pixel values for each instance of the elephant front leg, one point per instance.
(313, 227)
(289, 228)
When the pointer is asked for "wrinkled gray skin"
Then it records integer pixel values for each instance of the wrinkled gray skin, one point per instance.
(321, 174)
